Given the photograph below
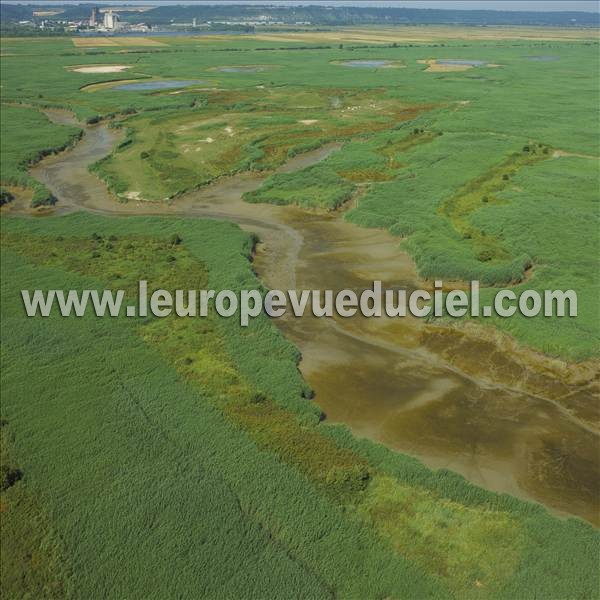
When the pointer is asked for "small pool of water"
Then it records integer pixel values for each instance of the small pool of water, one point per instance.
(243, 69)
(455, 61)
(542, 58)
(156, 85)
(366, 64)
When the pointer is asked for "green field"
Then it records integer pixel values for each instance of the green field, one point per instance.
(170, 458)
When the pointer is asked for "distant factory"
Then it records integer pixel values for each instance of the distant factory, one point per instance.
(111, 21)
(108, 20)
(94, 17)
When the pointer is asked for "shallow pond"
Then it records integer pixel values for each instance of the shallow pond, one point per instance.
(455, 61)
(157, 85)
(366, 64)
(242, 69)
(542, 58)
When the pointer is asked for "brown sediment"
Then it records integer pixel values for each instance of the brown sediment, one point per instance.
(98, 68)
(21, 199)
(429, 33)
(86, 42)
(466, 398)
(564, 153)
(435, 67)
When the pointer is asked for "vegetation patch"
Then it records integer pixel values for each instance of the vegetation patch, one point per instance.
(314, 187)
(482, 191)
(26, 137)
(6, 197)
(32, 556)
(228, 132)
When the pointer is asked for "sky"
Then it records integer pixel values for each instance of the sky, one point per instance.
(534, 5)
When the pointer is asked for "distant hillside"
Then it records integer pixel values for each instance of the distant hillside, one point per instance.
(320, 15)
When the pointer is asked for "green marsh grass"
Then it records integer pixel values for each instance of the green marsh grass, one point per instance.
(199, 467)
(183, 451)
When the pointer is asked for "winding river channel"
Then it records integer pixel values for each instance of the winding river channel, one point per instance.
(466, 399)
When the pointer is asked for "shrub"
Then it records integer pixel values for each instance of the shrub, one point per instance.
(485, 256)
(346, 481)
(5, 197)
(9, 476)
(43, 197)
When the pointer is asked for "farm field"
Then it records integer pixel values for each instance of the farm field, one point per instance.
(202, 464)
